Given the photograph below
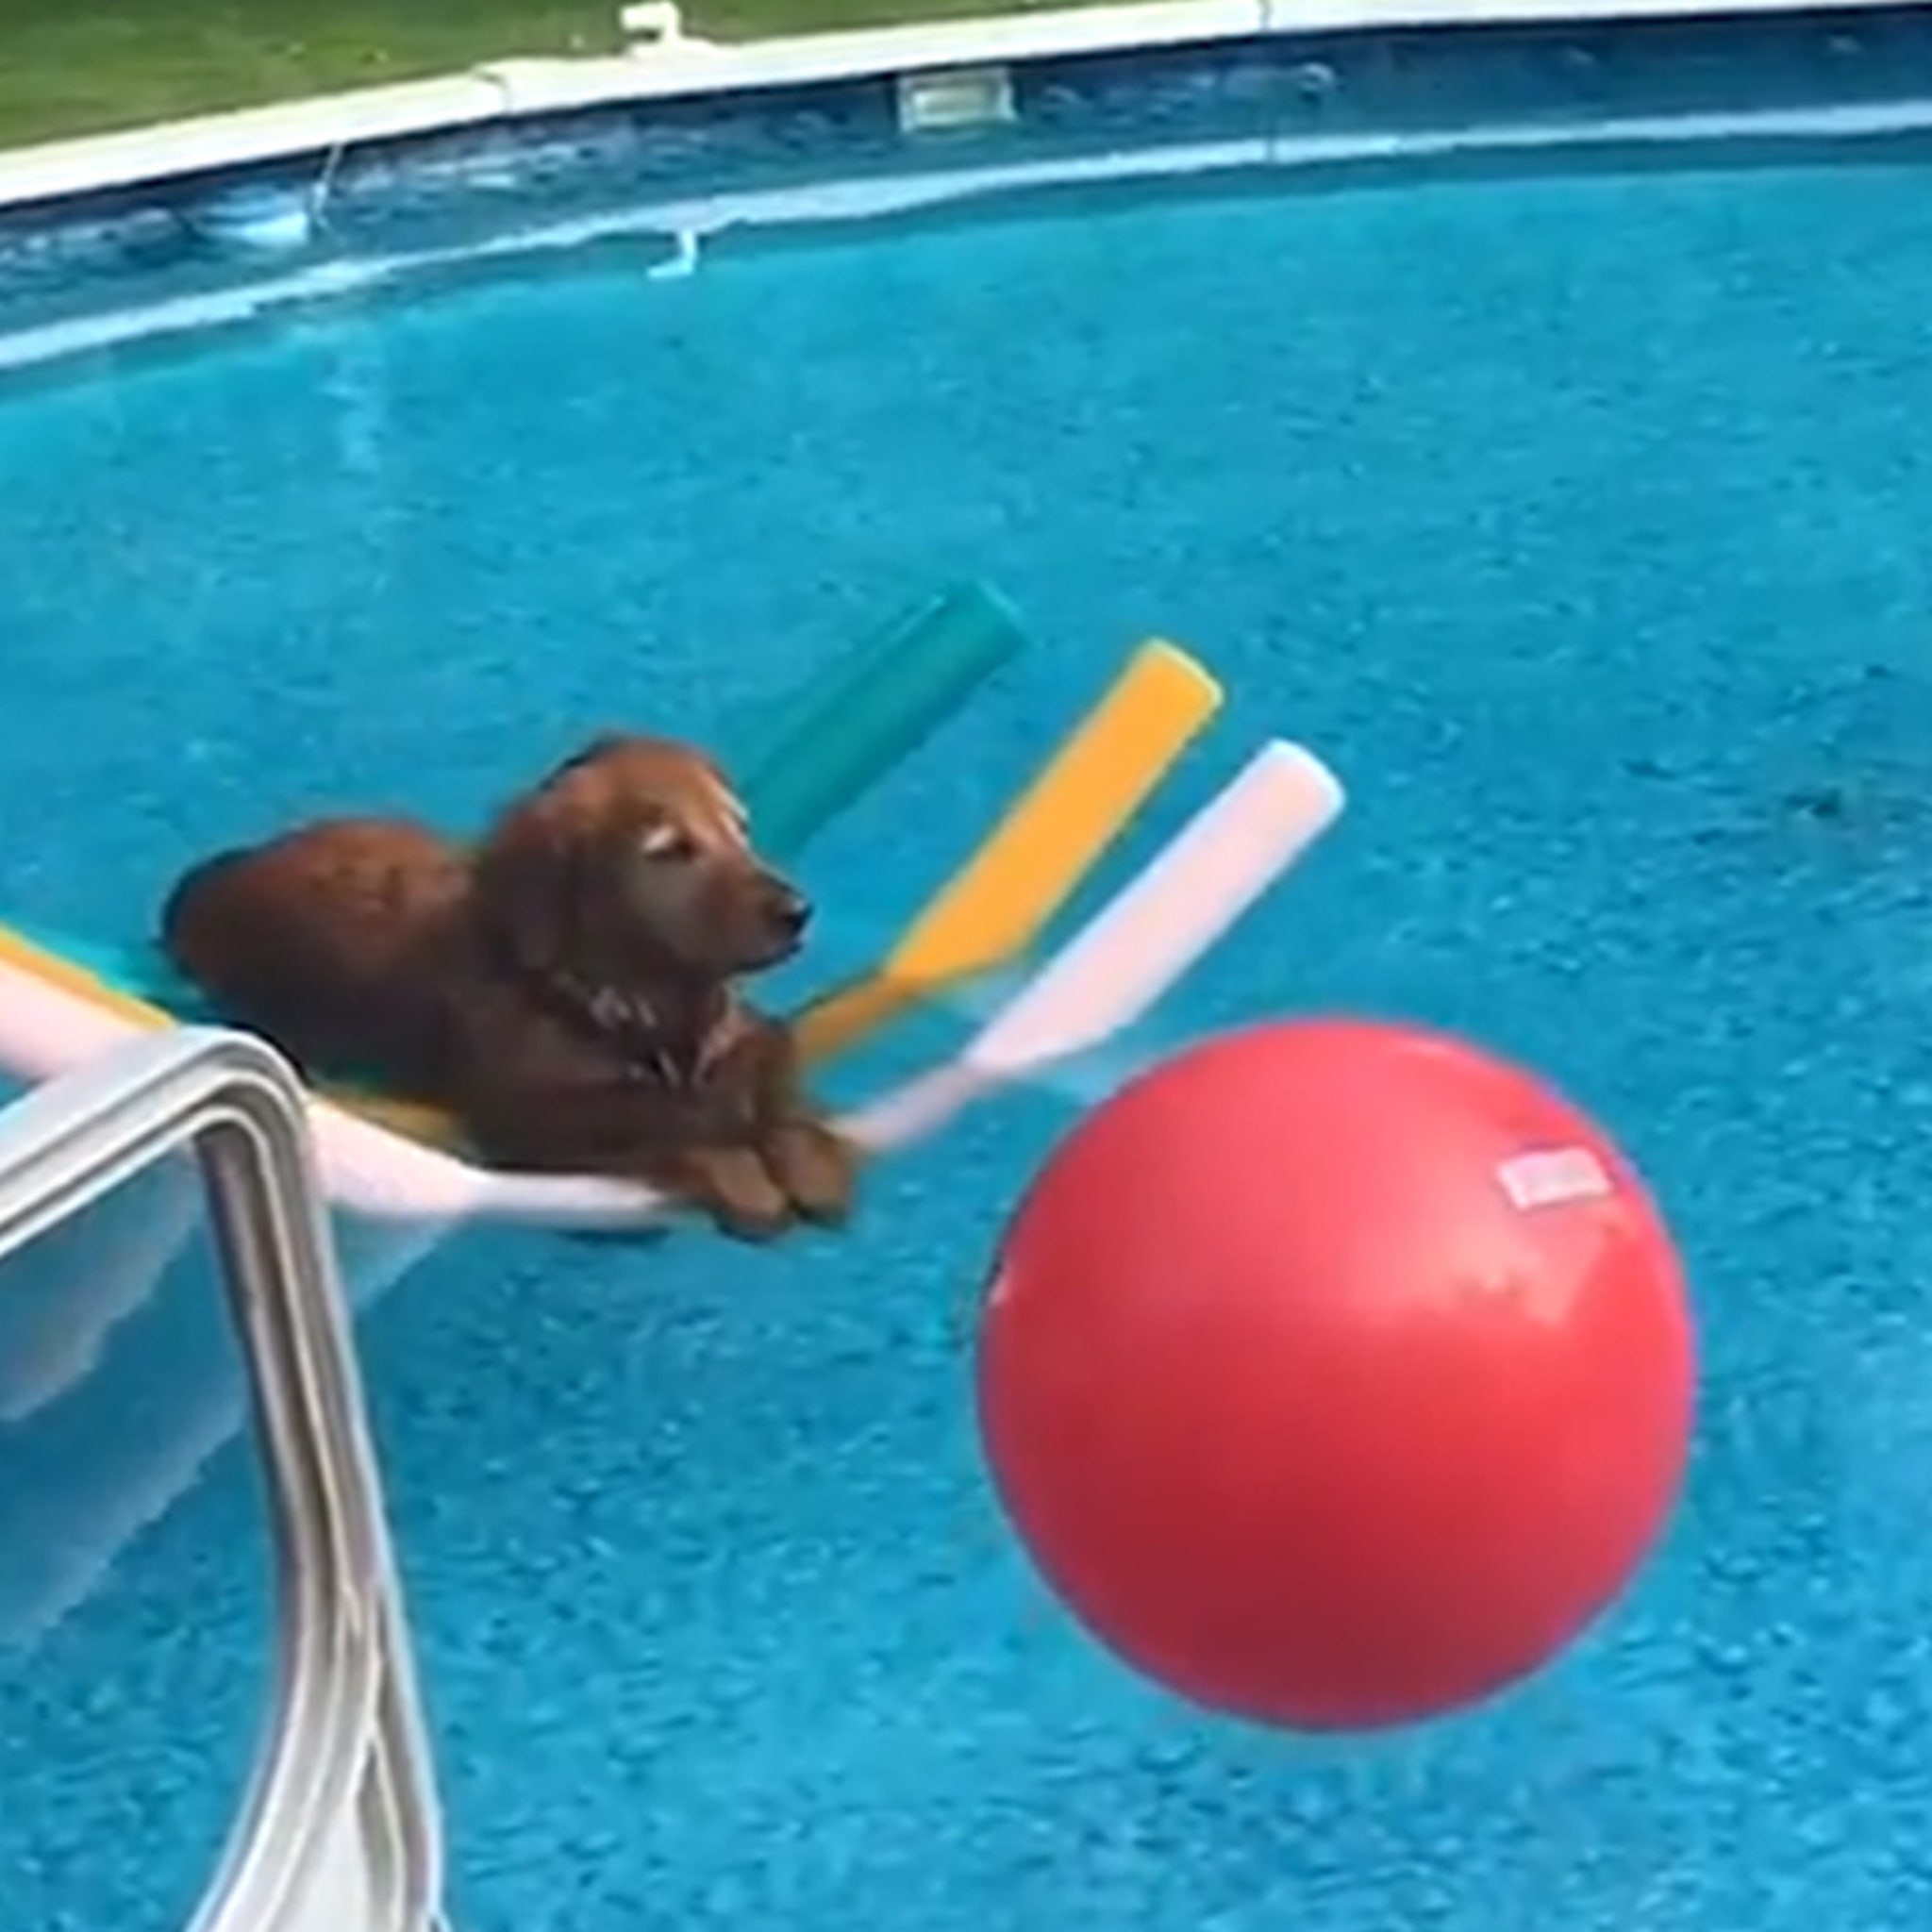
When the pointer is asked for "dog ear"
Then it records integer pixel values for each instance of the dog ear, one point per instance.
(529, 878)
(598, 748)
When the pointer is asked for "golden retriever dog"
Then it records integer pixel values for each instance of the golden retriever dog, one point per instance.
(566, 989)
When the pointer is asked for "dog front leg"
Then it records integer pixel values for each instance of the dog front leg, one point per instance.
(816, 1166)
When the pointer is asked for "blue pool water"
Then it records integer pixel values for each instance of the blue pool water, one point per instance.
(1582, 523)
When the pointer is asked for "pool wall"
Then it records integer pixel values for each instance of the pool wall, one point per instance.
(906, 116)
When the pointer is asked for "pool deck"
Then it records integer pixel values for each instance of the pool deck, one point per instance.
(657, 69)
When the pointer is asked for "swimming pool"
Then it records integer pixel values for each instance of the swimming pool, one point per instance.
(1577, 517)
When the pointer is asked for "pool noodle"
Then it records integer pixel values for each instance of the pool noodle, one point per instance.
(1054, 833)
(839, 737)
(829, 743)
(1044, 847)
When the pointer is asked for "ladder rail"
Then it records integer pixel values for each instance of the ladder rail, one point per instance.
(346, 1709)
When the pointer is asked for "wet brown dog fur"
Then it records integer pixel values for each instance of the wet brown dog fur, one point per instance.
(565, 987)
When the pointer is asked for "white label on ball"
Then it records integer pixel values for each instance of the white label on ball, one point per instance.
(1549, 1179)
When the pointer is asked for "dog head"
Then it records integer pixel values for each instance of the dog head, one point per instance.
(633, 862)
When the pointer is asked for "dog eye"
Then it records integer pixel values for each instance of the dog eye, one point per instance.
(665, 841)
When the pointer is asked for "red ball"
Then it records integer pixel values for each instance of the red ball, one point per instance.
(1336, 1374)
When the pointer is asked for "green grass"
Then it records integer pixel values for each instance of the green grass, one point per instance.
(71, 67)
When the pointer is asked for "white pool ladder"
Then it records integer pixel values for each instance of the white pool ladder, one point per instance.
(339, 1830)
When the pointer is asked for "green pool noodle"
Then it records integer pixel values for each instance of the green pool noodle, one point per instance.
(815, 755)
(840, 735)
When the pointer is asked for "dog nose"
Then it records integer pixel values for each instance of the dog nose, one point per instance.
(791, 910)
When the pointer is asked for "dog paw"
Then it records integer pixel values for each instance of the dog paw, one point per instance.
(743, 1200)
(817, 1169)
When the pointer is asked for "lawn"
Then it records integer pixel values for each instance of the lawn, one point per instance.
(96, 64)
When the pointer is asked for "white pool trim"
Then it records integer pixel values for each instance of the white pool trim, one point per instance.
(508, 91)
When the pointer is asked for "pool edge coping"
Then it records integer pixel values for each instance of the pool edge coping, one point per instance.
(525, 88)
